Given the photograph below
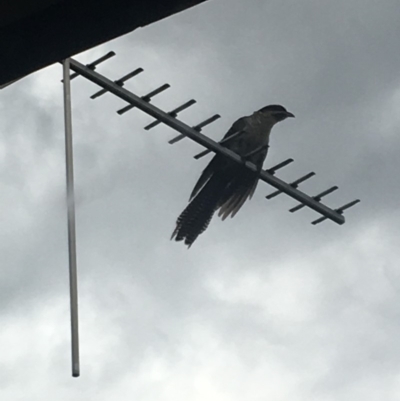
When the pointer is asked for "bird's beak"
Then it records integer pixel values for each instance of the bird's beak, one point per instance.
(289, 114)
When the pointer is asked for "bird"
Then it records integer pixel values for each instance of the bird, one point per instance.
(225, 185)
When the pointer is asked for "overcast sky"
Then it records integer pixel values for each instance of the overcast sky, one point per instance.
(264, 306)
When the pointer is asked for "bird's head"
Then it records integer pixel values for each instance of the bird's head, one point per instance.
(275, 113)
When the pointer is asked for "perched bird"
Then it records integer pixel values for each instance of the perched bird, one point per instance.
(225, 184)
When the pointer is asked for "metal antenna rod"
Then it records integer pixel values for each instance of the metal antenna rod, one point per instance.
(201, 139)
(73, 282)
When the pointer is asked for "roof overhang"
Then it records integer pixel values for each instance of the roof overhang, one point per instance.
(37, 33)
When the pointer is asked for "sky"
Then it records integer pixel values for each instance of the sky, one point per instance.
(264, 306)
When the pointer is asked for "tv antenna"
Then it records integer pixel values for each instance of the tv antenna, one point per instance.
(143, 103)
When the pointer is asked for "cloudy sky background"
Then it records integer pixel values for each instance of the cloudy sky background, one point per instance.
(262, 307)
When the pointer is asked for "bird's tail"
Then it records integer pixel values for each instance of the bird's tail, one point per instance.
(197, 215)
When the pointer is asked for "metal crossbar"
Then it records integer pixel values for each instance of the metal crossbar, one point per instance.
(193, 133)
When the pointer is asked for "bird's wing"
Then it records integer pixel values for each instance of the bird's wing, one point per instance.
(237, 126)
(205, 176)
(241, 187)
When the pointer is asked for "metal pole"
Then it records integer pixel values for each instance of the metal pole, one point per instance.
(73, 282)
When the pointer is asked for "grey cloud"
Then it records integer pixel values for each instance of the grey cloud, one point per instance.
(270, 305)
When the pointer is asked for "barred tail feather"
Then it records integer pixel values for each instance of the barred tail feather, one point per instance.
(197, 215)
